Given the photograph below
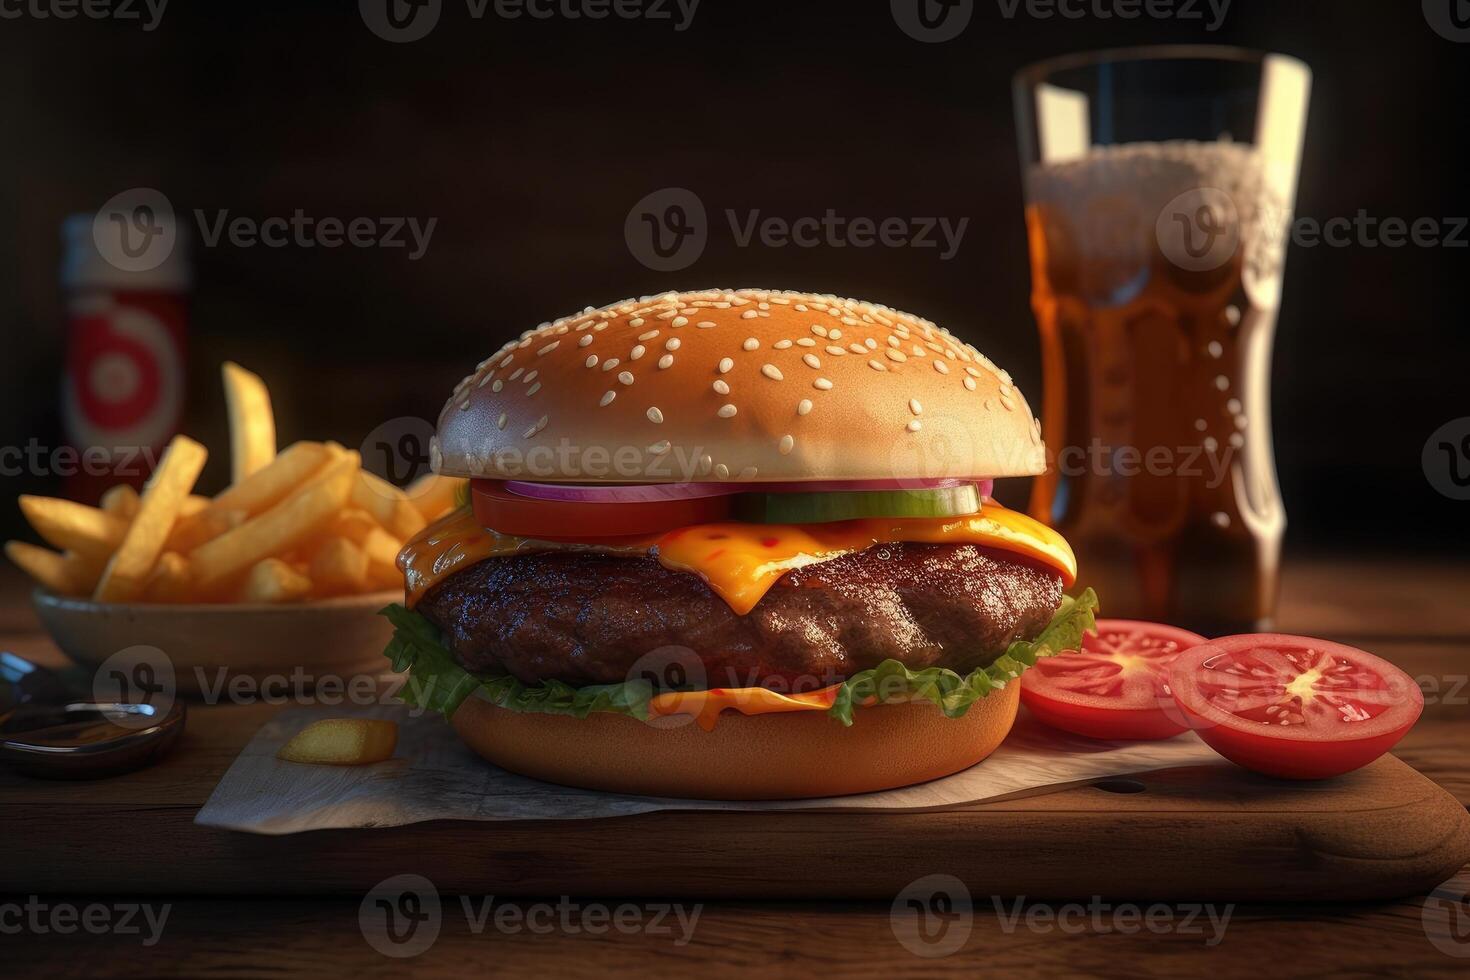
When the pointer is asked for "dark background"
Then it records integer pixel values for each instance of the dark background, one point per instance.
(531, 140)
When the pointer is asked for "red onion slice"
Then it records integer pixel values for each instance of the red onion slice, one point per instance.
(652, 492)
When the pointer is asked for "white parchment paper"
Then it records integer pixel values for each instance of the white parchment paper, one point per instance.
(432, 776)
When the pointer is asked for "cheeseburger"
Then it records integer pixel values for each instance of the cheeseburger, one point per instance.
(734, 545)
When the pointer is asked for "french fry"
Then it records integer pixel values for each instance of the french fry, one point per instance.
(190, 531)
(264, 489)
(121, 502)
(273, 580)
(434, 495)
(278, 530)
(47, 567)
(158, 508)
(252, 426)
(338, 567)
(169, 579)
(85, 571)
(388, 505)
(354, 524)
(67, 525)
(193, 504)
(382, 559)
(342, 742)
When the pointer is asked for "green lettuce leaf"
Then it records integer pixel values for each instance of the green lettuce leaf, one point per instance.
(954, 693)
(436, 681)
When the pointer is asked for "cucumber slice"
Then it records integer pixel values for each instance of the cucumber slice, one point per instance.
(846, 505)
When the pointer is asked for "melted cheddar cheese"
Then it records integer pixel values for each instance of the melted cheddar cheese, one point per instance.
(739, 562)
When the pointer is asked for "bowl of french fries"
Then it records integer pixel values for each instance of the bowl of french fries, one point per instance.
(282, 571)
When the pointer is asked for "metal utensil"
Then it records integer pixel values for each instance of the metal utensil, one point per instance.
(45, 732)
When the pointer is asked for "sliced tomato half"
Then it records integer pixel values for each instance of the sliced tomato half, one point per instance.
(1294, 706)
(1116, 686)
(533, 517)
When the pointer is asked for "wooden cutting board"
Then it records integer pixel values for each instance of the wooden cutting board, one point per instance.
(1197, 834)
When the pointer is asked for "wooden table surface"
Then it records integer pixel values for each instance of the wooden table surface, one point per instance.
(1412, 613)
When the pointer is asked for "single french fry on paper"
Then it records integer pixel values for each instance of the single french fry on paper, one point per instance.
(72, 526)
(434, 495)
(389, 505)
(120, 501)
(46, 567)
(252, 424)
(342, 742)
(278, 530)
(273, 580)
(158, 508)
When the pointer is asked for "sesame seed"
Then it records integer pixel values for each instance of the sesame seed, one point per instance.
(748, 473)
(857, 348)
(822, 384)
(464, 406)
(516, 373)
(785, 445)
(915, 425)
(726, 411)
(637, 321)
(497, 385)
(500, 422)
(804, 406)
(941, 367)
(750, 344)
(834, 334)
(648, 336)
(811, 360)
(772, 372)
(610, 363)
(877, 365)
(970, 384)
(806, 342)
(896, 355)
(836, 351)
(725, 365)
(666, 362)
(636, 352)
(1009, 405)
(584, 340)
(892, 341)
(533, 389)
(972, 372)
(781, 344)
(819, 330)
(591, 360)
(671, 344)
(720, 386)
(607, 397)
(871, 344)
(529, 378)
(654, 415)
(705, 324)
(548, 348)
(722, 471)
(626, 377)
(749, 315)
(483, 381)
(678, 321)
(915, 407)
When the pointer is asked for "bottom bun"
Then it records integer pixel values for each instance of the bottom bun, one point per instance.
(746, 757)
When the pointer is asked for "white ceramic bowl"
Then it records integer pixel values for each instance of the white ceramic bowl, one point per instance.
(330, 638)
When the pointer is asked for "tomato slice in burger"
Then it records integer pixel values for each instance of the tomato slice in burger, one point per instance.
(1293, 706)
(1116, 686)
(503, 510)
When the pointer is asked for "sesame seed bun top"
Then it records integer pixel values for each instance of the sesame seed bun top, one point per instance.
(746, 384)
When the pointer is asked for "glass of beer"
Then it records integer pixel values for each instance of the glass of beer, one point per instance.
(1159, 189)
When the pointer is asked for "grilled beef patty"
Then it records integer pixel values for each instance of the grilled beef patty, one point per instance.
(598, 619)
